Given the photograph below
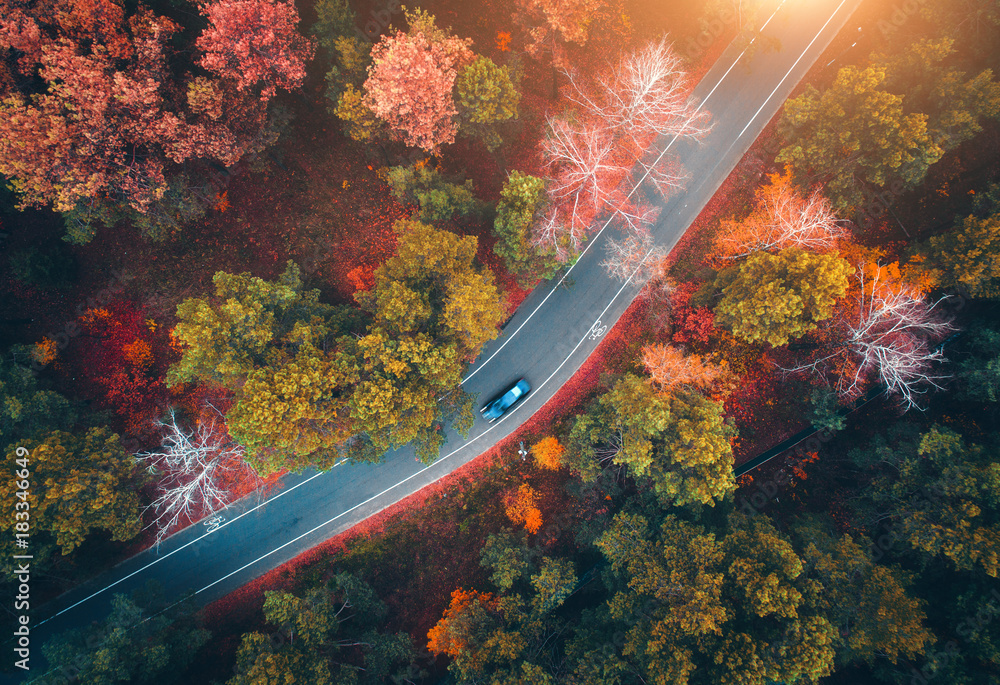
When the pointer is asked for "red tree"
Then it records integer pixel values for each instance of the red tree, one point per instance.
(690, 324)
(254, 42)
(411, 79)
(116, 354)
(91, 107)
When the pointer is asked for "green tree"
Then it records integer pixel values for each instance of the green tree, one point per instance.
(966, 258)
(775, 297)
(855, 134)
(825, 414)
(329, 635)
(246, 325)
(486, 96)
(349, 57)
(868, 603)
(26, 410)
(501, 639)
(423, 185)
(358, 121)
(978, 376)
(955, 105)
(334, 20)
(522, 201)
(679, 441)
(143, 640)
(183, 202)
(700, 608)
(263, 341)
(940, 491)
(76, 485)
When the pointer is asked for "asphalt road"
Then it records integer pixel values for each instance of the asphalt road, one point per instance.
(547, 340)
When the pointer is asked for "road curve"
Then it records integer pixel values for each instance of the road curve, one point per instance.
(547, 340)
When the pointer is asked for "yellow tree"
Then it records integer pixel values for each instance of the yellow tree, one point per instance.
(772, 298)
(733, 608)
(679, 441)
(281, 408)
(74, 485)
(432, 310)
(966, 257)
(451, 297)
(241, 328)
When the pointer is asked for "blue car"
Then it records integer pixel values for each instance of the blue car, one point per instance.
(495, 409)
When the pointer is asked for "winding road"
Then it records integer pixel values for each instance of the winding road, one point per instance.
(547, 340)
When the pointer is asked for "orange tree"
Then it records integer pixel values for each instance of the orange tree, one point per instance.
(548, 453)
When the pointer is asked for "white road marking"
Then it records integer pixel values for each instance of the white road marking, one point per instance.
(795, 64)
(202, 537)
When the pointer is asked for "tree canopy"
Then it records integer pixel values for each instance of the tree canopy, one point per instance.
(775, 297)
(939, 488)
(522, 202)
(313, 382)
(411, 78)
(78, 484)
(142, 641)
(966, 257)
(855, 130)
(679, 441)
(99, 105)
(331, 634)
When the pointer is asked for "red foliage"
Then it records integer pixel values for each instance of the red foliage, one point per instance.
(254, 42)
(116, 354)
(692, 325)
(410, 86)
(362, 277)
(112, 116)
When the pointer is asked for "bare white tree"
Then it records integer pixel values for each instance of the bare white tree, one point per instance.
(647, 94)
(193, 464)
(782, 219)
(600, 153)
(887, 335)
(635, 257)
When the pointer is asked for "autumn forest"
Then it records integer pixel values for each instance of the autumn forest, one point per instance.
(245, 241)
